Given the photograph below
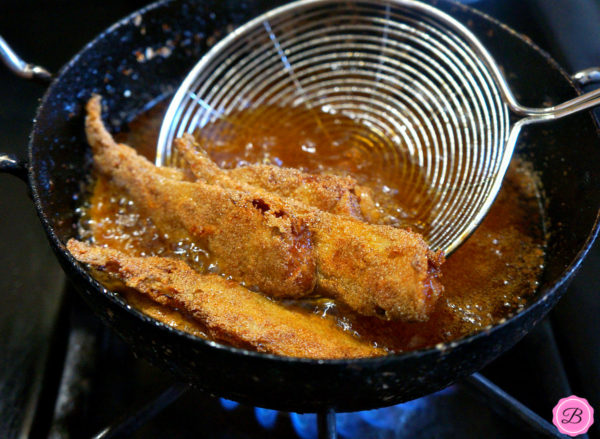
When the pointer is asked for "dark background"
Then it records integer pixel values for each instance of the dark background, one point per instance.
(50, 32)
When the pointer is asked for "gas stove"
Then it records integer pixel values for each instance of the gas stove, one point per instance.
(64, 375)
(104, 391)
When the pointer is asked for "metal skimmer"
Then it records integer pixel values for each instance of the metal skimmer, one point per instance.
(430, 99)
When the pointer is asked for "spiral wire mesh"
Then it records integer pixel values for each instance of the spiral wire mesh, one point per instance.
(426, 103)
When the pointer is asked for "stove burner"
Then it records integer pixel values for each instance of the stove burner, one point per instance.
(389, 420)
(101, 376)
(417, 418)
(105, 389)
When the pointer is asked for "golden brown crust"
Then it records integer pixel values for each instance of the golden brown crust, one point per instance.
(268, 249)
(329, 193)
(103, 140)
(355, 262)
(228, 311)
(380, 271)
(283, 247)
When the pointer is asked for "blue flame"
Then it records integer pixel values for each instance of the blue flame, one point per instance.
(266, 417)
(305, 425)
(359, 425)
(350, 425)
(228, 404)
(392, 418)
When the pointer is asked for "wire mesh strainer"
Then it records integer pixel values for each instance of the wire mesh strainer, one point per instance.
(428, 94)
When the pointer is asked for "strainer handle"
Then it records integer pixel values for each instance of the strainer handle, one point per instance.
(580, 103)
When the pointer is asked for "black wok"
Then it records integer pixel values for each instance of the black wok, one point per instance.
(57, 168)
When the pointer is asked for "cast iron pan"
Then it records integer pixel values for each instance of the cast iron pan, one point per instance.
(565, 153)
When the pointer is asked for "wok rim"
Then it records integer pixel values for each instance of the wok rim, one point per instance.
(538, 298)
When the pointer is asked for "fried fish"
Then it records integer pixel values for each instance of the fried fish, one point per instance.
(278, 245)
(226, 311)
(329, 193)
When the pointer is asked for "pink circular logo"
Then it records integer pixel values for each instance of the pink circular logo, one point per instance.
(573, 415)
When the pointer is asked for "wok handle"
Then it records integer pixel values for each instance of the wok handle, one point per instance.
(20, 67)
(9, 163)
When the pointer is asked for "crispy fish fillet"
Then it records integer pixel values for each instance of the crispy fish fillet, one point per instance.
(266, 250)
(283, 247)
(330, 193)
(104, 141)
(336, 247)
(229, 312)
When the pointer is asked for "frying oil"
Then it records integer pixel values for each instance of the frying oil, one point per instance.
(486, 280)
